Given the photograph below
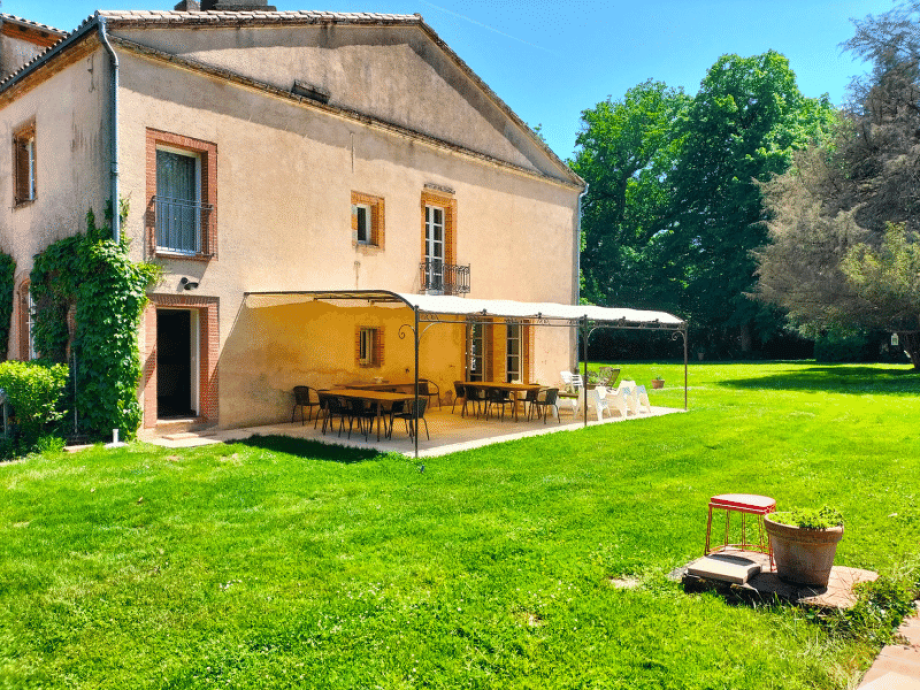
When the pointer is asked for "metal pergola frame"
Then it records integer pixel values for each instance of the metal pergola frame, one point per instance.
(586, 326)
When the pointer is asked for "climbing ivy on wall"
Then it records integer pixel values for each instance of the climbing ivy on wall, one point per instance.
(7, 278)
(92, 275)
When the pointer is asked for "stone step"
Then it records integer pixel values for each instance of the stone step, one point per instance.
(724, 568)
(892, 681)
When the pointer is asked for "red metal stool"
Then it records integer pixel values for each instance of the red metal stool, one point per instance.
(745, 504)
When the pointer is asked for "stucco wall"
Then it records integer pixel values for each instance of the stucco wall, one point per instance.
(72, 153)
(285, 177)
(271, 349)
(396, 74)
(14, 53)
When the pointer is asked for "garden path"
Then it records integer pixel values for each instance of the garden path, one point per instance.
(898, 665)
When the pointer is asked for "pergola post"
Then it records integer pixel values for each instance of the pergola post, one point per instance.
(584, 376)
(415, 403)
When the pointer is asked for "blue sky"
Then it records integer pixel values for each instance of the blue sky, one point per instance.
(551, 60)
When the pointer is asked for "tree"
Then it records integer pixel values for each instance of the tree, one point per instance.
(741, 129)
(845, 249)
(674, 207)
(626, 149)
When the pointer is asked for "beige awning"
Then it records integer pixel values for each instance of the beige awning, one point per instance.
(430, 307)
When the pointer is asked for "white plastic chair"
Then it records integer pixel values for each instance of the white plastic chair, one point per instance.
(643, 399)
(617, 401)
(600, 404)
(628, 390)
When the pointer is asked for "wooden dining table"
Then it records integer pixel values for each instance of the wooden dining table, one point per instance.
(499, 386)
(380, 399)
(382, 386)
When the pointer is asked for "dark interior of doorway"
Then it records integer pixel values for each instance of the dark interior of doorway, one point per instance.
(174, 364)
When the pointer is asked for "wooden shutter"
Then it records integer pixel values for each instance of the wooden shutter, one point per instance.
(21, 153)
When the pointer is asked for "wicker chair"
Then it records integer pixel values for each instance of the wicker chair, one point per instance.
(430, 390)
(528, 401)
(408, 416)
(335, 407)
(459, 392)
(500, 398)
(304, 396)
(546, 399)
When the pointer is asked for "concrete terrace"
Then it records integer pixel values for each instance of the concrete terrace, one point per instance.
(450, 433)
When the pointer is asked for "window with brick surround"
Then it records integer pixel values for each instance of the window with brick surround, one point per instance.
(367, 220)
(479, 352)
(369, 347)
(182, 196)
(24, 167)
(439, 239)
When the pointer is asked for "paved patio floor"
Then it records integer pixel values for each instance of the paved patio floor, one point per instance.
(449, 432)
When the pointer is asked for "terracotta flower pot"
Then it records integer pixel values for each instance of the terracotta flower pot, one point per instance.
(657, 383)
(803, 556)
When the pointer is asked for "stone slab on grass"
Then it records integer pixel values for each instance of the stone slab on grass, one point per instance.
(765, 585)
(724, 568)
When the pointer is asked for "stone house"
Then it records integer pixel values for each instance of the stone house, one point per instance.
(292, 153)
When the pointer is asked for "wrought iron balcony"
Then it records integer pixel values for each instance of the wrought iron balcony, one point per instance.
(440, 278)
(182, 226)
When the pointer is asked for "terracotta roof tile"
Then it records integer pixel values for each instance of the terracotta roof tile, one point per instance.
(28, 22)
(216, 17)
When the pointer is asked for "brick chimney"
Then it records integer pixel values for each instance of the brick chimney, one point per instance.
(237, 5)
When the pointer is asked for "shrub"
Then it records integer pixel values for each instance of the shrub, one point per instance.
(34, 390)
(832, 347)
(7, 273)
(809, 518)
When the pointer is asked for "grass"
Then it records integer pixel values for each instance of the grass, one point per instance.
(279, 563)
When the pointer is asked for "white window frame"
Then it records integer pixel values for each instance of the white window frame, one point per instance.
(476, 352)
(432, 244)
(196, 155)
(30, 326)
(369, 220)
(514, 370)
(367, 346)
(30, 151)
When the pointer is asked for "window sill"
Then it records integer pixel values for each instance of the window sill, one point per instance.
(366, 247)
(22, 203)
(181, 256)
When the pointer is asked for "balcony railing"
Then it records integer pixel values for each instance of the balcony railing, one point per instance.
(440, 278)
(182, 226)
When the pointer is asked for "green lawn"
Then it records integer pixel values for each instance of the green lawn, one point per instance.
(280, 563)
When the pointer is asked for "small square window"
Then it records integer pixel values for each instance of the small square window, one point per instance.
(366, 220)
(364, 230)
(369, 347)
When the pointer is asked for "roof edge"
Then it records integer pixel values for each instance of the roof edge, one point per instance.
(504, 107)
(87, 27)
(248, 82)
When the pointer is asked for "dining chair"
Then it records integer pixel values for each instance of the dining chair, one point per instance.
(477, 396)
(364, 413)
(528, 401)
(430, 390)
(500, 397)
(304, 396)
(323, 396)
(335, 407)
(459, 392)
(408, 416)
(547, 398)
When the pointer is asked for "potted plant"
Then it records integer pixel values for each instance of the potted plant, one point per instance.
(804, 542)
(657, 382)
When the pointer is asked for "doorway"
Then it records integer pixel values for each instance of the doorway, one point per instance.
(177, 363)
